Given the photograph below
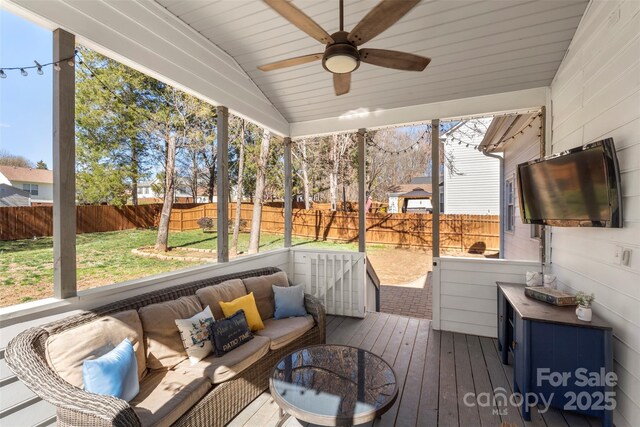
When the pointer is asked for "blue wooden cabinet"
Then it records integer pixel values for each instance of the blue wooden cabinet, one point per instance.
(556, 357)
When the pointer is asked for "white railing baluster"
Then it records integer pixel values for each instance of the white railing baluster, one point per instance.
(351, 284)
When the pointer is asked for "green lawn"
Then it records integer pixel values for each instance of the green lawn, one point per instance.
(26, 266)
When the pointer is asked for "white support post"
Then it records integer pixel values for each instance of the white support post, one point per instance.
(64, 166)
(362, 198)
(435, 185)
(435, 228)
(288, 202)
(222, 182)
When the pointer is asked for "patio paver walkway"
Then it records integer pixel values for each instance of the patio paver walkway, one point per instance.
(413, 300)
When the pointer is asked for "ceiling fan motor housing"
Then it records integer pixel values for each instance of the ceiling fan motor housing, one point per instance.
(341, 53)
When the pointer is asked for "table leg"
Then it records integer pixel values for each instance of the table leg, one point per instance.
(283, 418)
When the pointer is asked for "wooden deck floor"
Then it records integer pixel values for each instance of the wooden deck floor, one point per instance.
(435, 371)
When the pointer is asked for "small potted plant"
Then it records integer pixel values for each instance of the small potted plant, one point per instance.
(584, 306)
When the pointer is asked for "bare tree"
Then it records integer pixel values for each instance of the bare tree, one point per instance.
(261, 172)
(303, 172)
(169, 185)
(339, 147)
(8, 159)
(236, 224)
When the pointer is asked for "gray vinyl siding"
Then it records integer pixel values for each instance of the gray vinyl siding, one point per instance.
(595, 95)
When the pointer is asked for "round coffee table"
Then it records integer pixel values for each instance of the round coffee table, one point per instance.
(333, 385)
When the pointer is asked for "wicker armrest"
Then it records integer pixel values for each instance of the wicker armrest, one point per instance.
(25, 356)
(316, 309)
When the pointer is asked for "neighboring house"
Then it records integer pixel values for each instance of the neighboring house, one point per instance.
(418, 190)
(12, 196)
(471, 179)
(517, 139)
(147, 194)
(37, 182)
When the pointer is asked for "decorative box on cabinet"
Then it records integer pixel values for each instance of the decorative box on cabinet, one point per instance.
(556, 356)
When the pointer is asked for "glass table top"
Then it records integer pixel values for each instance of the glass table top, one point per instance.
(334, 385)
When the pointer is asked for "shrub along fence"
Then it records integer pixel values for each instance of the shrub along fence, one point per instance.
(473, 233)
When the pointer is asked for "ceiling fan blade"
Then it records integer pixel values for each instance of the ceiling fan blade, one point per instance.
(394, 59)
(385, 14)
(300, 20)
(291, 62)
(342, 83)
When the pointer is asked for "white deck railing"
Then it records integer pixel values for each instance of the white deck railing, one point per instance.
(465, 292)
(337, 278)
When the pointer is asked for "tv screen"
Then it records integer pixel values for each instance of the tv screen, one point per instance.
(576, 188)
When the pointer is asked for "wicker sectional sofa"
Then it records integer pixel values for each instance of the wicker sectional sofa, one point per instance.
(194, 398)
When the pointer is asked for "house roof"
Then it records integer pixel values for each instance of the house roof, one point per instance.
(417, 193)
(13, 196)
(504, 129)
(40, 176)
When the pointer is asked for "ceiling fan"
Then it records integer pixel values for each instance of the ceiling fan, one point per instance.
(341, 55)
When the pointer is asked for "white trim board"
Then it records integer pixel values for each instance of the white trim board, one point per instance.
(522, 100)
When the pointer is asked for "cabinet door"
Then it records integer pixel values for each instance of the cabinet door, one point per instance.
(519, 348)
(502, 301)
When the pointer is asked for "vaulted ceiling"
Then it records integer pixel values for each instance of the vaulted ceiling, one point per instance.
(477, 48)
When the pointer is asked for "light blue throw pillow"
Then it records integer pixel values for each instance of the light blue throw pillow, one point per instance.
(289, 301)
(115, 373)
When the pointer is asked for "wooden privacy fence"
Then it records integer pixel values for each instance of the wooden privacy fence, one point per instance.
(473, 233)
(26, 222)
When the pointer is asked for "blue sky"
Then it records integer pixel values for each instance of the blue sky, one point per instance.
(25, 102)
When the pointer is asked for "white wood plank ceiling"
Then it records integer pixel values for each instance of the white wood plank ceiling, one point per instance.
(477, 48)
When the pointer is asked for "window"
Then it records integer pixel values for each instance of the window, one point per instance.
(31, 189)
(509, 223)
(536, 231)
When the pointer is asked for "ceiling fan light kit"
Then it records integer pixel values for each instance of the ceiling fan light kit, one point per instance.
(341, 55)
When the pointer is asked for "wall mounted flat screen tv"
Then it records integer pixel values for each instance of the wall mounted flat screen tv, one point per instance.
(576, 188)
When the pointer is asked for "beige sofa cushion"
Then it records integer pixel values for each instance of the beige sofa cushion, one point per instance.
(225, 291)
(261, 288)
(166, 395)
(283, 331)
(162, 338)
(227, 366)
(67, 350)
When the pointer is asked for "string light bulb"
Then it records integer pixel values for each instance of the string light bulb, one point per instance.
(71, 62)
(39, 67)
(23, 72)
(56, 66)
(3, 75)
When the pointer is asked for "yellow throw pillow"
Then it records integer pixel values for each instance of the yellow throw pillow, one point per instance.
(248, 304)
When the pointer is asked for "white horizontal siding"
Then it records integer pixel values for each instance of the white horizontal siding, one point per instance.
(465, 292)
(525, 147)
(471, 179)
(596, 94)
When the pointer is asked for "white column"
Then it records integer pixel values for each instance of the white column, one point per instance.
(222, 182)
(64, 164)
(362, 198)
(435, 185)
(288, 203)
